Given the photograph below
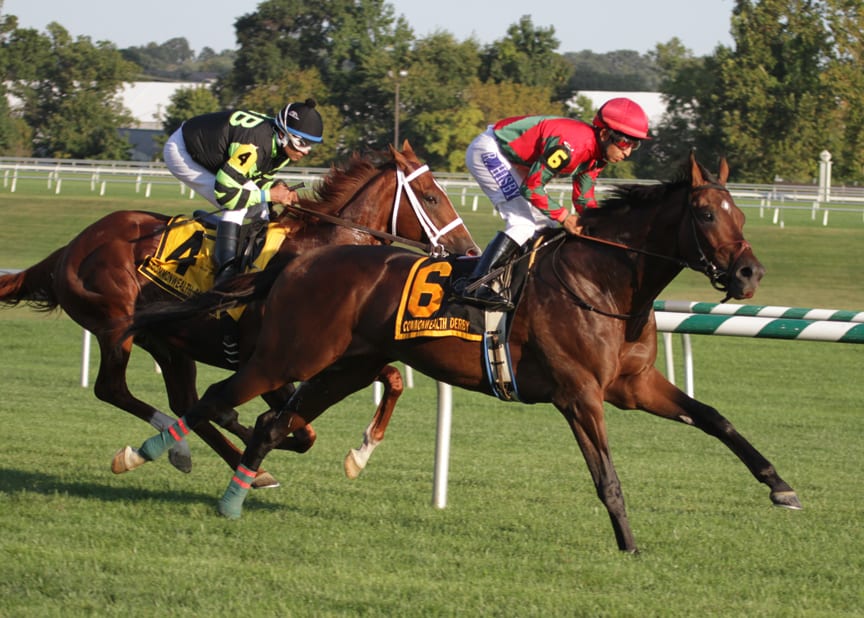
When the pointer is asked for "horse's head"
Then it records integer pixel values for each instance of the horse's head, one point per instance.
(423, 207)
(711, 236)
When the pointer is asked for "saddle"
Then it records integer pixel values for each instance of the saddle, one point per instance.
(183, 262)
(252, 235)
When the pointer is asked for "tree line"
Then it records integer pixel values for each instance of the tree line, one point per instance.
(789, 87)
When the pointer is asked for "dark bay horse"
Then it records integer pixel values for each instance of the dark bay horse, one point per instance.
(583, 331)
(94, 279)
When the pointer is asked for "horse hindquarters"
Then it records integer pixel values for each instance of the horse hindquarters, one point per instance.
(652, 392)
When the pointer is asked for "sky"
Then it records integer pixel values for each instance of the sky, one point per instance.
(579, 24)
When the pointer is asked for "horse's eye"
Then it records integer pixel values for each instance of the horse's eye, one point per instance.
(705, 214)
(430, 199)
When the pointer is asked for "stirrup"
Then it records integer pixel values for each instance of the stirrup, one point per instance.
(226, 272)
(486, 297)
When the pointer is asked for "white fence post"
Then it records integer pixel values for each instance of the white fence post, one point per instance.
(670, 360)
(85, 360)
(689, 380)
(442, 445)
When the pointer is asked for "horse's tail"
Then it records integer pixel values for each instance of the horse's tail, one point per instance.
(33, 286)
(240, 290)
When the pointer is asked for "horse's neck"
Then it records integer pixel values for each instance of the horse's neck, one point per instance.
(654, 278)
(634, 278)
(663, 241)
(372, 206)
(369, 207)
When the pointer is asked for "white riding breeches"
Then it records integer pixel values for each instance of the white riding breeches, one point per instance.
(500, 181)
(192, 174)
(195, 176)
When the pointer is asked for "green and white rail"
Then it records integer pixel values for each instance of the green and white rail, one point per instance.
(760, 327)
(762, 311)
(757, 321)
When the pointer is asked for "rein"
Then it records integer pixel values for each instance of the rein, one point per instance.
(252, 214)
(623, 247)
(714, 273)
(362, 228)
(578, 299)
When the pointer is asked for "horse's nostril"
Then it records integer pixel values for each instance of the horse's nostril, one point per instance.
(751, 273)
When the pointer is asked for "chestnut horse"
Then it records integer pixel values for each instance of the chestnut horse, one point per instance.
(95, 280)
(583, 331)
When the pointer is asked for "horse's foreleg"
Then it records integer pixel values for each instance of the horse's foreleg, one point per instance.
(652, 392)
(300, 440)
(179, 374)
(270, 429)
(111, 387)
(357, 458)
(311, 399)
(588, 424)
(218, 398)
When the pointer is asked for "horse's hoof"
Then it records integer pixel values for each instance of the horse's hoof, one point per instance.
(352, 467)
(181, 459)
(229, 510)
(126, 459)
(265, 480)
(786, 499)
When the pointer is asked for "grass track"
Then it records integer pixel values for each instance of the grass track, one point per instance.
(523, 535)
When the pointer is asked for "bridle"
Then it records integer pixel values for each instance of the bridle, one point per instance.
(716, 275)
(433, 233)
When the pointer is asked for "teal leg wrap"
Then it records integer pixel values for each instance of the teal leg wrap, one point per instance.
(231, 503)
(158, 444)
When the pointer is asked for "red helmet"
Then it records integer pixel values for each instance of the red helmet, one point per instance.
(623, 115)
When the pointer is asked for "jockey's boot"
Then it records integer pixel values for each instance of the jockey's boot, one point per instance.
(498, 253)
(225, 251)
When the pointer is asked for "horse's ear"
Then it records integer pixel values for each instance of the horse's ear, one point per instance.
(406, 148)
(696, 178)
(723, 175)
(397, 156)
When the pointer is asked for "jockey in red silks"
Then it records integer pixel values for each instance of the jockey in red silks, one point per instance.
(514, 160)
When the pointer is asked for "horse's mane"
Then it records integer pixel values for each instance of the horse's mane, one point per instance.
(626, 197)
(344, 180)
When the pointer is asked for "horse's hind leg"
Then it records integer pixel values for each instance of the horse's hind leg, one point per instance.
(357, 458)
(652, 392)
(300, 440)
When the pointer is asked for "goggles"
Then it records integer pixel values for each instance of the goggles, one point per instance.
(624, 141)
(300, 144)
